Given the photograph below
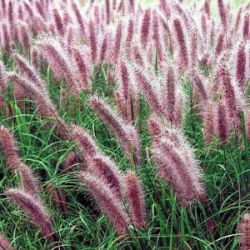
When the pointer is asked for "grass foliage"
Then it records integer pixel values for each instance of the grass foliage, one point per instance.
(211, 225)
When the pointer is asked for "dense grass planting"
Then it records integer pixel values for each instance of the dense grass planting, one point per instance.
(124, 126)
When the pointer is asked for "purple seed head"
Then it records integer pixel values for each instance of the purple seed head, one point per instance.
(29, 71)
(58, 22)
(103, 167)
(176, 165)
(107, 9)
(84, 67)
(118, 41)
(107, 201)
(9, 148)
(183, 58)
(92, 41)
(34, 209)
(246, 26)
(58, 60)
(123, 131)
(241, 65)
(222, 13)
(145, 27)
(84, 141)
(222, 124)
(134, 194)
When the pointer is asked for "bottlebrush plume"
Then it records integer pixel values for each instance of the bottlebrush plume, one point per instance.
(145, 27)
(35, 58)
(183, 15)
(106, 169)
(132, 6)
(107, 9)
(244, 229)
(10, 151)
(118, 41)
(158, 129)
(194, 47)
(130, 31)
(151, 57)
(92, 40)
(97, 13)
(138, 55)
(211, 34)
(135, 198)
(222, 123)
(222, 13)
(241, 65)
(199, 84)
(40, 27)
(6, 37)
(238, 19)
(167, 35)
(104, 48)
(79, 19)
(183, 59)
(28, 9)
(114, 2)
(124, 79)
(23, 35)
(124, 132)
(177, 165)
(233, 99)
(29, 72)
(84, 141)
(41, 9)
(58, 22)
(67, 20)
(4, 244)
(34, 209)
(69, 41)
(58, 60)
(45, 106)
(169, 94)
(157, 36)
(246, 26)
(3, 8)
(107, 201)
(207, 7)
(179, 110)
(11, 15)
(165, 7)
(84, 67)
(29, 183)
(209, 119)
(204, 27)
(121, 7)
(144, 83)
(9, 148)
(248, 61)
(154, 126)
